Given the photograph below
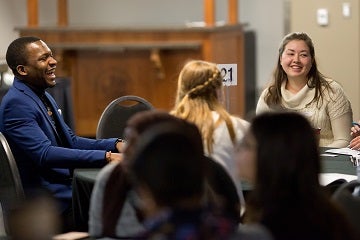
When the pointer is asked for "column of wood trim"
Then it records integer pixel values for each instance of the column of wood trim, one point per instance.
(32, 11)
(209, 12)
(62, 13)
(232, 11)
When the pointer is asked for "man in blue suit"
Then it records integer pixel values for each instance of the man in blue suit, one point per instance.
(45, 148)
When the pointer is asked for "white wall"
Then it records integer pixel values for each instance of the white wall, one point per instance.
(12, 13)
(336, 44)
(267, 19)
(264, 17)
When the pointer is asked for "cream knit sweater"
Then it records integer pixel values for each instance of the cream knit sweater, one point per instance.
(333, 116)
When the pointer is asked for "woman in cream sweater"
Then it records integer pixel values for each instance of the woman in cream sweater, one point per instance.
(298, 85)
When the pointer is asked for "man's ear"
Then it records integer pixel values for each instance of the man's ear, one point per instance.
(21, 70)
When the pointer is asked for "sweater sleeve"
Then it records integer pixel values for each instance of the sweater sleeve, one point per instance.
(341, 131)
(340, 114)
(339, 104)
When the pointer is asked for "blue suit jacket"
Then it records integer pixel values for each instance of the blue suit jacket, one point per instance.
(31, 135)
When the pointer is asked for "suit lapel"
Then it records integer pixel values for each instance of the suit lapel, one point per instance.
(27, 91)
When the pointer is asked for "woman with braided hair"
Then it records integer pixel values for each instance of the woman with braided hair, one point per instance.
(199, 100)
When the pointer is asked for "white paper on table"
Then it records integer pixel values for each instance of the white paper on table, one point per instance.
(327, 178)
(344, 151)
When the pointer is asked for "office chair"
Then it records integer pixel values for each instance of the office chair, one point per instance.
(224, 189)
(113, 119)
(349, 200)
(11, 189)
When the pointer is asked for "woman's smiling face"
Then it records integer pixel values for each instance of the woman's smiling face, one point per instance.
(296, 60)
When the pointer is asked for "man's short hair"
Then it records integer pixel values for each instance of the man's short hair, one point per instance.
(16, 53)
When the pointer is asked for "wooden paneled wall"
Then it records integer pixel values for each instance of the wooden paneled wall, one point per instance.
(104, 64)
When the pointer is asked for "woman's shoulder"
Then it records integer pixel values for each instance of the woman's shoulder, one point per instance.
(264, 91)
(333, 84)
(239, 121)
(335, 88)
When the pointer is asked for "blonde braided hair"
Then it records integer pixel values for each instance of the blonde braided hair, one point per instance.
(197, 96)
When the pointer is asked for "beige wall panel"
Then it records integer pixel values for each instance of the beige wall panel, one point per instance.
(336, 45)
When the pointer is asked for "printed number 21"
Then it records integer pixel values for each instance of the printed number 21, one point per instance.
(227, 73)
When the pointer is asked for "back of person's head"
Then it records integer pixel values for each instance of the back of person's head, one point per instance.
(168, 161)
(16, 53)
(199, 93)
(139, 123)
(287, 197)
(199, 80)
(288, 162)
(286, 167)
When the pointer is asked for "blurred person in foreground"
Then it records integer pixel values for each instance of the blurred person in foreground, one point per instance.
(279, 157)
(114, 211)
(169, 171)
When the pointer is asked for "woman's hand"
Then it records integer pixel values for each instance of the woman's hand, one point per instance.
(355, 143)
(355, 129)
(355, 133)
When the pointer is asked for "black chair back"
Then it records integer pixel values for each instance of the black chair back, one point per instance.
(11, 189)
(224, 189)
(113, 119)
(348, 197)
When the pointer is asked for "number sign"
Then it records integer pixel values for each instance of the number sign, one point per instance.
(229, 73)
